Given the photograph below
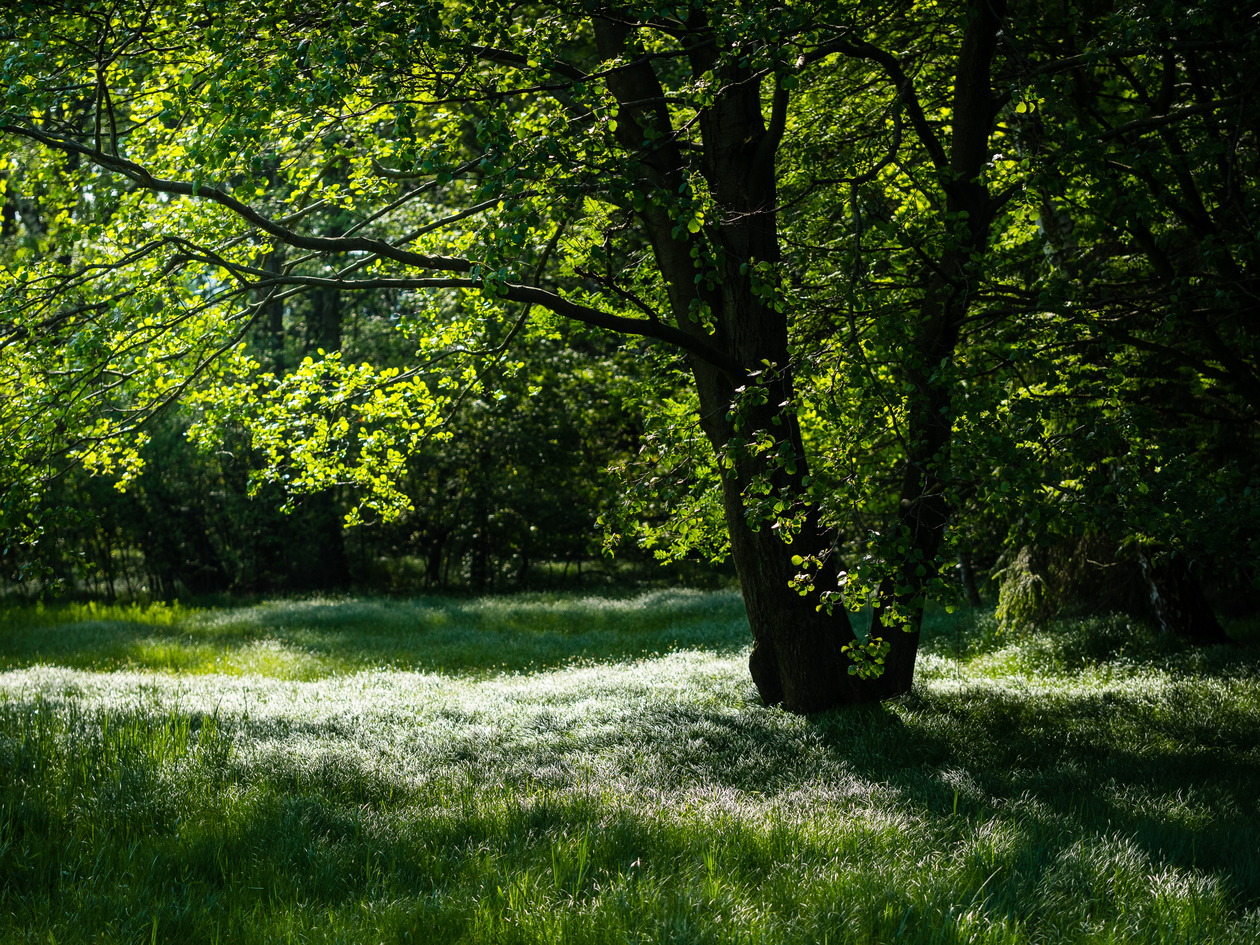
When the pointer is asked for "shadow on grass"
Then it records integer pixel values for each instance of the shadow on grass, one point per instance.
(1043, 806)
(1086, 766)
(1033, 815)
(1185, 791)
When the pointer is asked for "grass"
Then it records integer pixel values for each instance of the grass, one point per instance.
(313, 639)
(570, 769)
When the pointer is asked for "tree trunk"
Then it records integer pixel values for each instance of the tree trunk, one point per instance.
(923, 512)
(324, 329)
(331, 567)
(477, 568)
(272, 329)
(797, 658)
(967, 575)
(1178, 601)
(433, 563)
(8, 211)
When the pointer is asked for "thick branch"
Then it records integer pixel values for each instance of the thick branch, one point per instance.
(1158, 121)
(322, 244)
(506, 57)
(516, 293)
(531, 295)
(898, 77)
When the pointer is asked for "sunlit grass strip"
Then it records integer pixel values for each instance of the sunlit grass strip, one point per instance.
(57, 613)
(314, 639)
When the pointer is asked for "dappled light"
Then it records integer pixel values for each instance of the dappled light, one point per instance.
(707, 472)
(623, 789)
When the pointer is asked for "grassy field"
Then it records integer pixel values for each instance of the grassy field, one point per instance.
(599, 770)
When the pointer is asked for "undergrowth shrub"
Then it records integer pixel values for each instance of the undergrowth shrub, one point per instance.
(1022, 598)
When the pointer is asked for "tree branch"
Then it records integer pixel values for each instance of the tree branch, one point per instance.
(898, 77)
(1158, 121)
(531, 295)
(323, 244)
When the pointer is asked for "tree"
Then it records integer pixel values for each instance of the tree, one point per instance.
(508, 166)
(497, 507)
(1134, 364)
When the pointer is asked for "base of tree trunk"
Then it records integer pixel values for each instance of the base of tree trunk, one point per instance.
(1178, 602)
(801, 668)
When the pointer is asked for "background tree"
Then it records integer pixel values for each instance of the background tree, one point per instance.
(1132, 364)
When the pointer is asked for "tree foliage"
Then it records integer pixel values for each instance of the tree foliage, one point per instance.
(895, 266)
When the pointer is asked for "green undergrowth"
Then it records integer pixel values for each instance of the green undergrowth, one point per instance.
(1091, 783)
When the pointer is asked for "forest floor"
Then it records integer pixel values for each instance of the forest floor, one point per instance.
(599, 769)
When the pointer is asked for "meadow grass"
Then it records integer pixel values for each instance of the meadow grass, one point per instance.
(583, 769)
(318, 637)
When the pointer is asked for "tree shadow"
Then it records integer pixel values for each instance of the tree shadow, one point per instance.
(1040, 792)
(1177, 782)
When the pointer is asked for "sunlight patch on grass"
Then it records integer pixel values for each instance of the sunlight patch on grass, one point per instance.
(309, 639)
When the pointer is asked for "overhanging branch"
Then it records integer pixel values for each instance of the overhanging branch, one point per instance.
(660, 331)
(533, 295)
(322, 244)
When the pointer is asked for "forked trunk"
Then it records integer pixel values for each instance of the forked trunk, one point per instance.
(798, 659)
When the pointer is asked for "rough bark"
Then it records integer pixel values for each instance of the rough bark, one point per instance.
(796, 659)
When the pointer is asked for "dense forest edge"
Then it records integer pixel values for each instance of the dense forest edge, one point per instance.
(881, 306)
